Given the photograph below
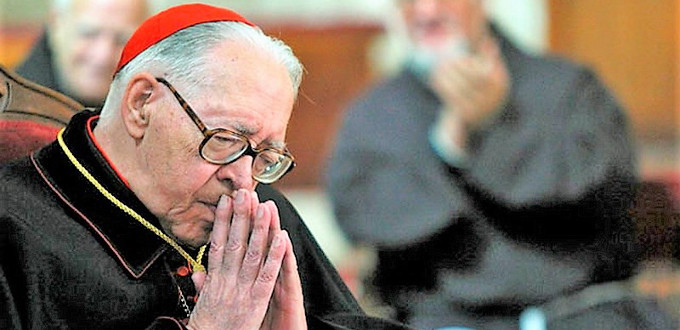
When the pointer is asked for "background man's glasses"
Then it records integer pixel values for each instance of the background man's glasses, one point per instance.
(222, 146)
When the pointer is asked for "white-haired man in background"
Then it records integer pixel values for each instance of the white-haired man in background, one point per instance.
(80, 46)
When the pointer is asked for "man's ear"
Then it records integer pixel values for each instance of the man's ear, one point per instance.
(141, 92)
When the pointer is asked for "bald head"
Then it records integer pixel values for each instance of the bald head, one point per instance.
(86, 38)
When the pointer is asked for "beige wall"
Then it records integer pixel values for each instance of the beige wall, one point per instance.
(12, 11)
(523, 19)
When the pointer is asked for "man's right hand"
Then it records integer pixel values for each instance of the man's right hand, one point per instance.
(252, 280)
(474, 86)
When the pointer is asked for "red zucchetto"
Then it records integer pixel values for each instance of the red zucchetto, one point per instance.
(171, 20)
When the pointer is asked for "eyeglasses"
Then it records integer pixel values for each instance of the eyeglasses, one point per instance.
(222, 146)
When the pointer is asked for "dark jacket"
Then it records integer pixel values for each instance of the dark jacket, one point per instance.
(72, 260)
(38, 67)
(538, 210)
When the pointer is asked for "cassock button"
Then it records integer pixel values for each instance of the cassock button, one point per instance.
(183, 271)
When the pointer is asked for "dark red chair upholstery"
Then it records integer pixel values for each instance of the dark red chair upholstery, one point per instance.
(30, 115)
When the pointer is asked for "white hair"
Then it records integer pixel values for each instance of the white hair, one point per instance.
(183, 57)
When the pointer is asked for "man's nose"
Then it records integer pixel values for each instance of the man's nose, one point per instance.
(239, 173)
(106, 50)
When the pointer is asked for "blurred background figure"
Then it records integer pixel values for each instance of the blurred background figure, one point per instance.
(487, 180)
(79, 49)
(74, 56)
(337, 40)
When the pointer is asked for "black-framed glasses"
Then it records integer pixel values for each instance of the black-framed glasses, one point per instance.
(222, 146)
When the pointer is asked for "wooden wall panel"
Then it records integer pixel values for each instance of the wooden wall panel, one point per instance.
(634, 46)
(15, 42)
(337, 70)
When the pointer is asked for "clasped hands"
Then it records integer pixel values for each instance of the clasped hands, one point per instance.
(252, 280)
(472, 88)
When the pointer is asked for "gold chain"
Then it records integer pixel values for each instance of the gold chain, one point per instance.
(195, 263)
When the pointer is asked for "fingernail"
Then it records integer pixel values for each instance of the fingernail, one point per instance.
(240, 196)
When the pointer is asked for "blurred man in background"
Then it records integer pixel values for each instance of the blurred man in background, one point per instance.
(487, 180)
(78, 52)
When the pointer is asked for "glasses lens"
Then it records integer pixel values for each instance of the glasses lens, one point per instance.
(270, 165)
(223, 147)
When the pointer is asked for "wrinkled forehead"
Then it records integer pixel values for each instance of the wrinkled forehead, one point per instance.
(247, 89)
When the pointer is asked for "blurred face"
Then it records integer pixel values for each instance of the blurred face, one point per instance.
(87, 41)
(250, 94)
(440, 26)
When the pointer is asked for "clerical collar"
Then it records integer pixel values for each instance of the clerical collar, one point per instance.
(133, 245)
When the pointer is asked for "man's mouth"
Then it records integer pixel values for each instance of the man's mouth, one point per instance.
(210, 205)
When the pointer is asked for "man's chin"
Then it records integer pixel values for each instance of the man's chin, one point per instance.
(196, 238)
(94, 88)
(442, 48)
(89, 99)
(194, 241)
